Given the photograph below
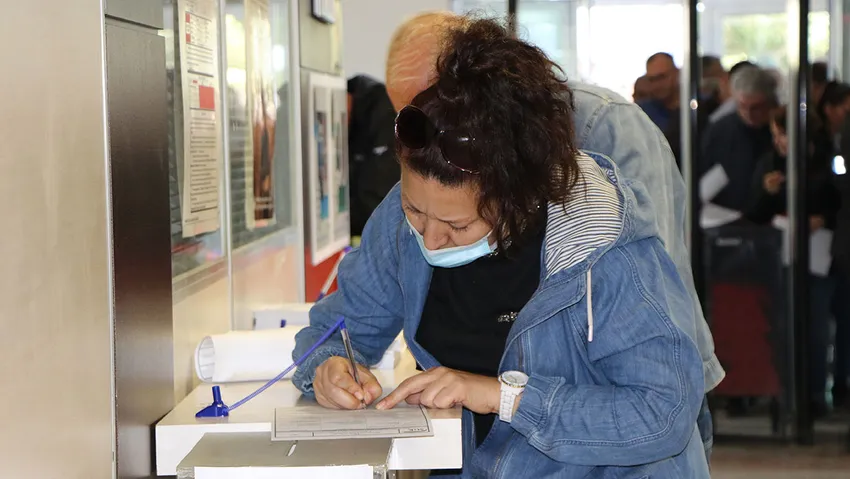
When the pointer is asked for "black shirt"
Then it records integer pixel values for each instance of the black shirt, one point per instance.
(470, 309)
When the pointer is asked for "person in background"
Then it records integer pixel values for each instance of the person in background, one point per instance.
(605, 123)
(373, 169)
(642, 91)
(728, 106)
(714, 85)
(833, 110)
(820, 77)
(737, 142)
(769, 199)
(488, 255)
(663, 77)
(714, 91)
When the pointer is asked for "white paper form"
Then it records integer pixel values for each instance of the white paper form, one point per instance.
(316, 472)
(311, 421)
(712, 183)
(820, 245)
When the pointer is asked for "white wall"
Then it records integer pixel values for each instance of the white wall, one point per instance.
(368, 26)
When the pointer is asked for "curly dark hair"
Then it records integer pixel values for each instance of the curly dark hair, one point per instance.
(514, 101)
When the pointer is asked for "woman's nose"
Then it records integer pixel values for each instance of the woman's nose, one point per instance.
(434, 238)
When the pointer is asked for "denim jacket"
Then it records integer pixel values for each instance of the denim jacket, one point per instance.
(614, 380)
(608, 124)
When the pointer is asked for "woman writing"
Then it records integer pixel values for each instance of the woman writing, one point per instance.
(528, 290)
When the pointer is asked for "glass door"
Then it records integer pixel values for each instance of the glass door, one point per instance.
(759, 69)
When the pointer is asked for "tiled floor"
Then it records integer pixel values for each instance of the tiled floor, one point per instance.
(734, 458)
(829, 458)
(823, 461)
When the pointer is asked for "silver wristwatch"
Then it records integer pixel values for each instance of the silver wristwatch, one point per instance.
(513, 384)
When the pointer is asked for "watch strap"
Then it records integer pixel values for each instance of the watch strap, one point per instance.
(509, 396)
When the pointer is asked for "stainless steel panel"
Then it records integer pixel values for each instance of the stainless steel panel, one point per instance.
(136, 86)
(143, 12)
(55, 344)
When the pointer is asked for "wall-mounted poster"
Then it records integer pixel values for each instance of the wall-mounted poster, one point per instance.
(327, 172)
(342, 220)
(201, 152)
(322, 218)
(262, 112)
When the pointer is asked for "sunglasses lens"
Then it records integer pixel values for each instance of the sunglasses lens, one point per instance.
(457, 149)
(412, 127)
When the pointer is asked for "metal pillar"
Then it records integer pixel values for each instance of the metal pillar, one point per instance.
(690, 75)
(798, 231)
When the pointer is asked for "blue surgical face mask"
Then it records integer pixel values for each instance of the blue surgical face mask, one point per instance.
(456, 256)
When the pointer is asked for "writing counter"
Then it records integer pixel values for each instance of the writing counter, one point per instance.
(179, 432)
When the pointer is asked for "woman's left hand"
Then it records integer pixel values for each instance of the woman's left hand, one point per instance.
(444, 388)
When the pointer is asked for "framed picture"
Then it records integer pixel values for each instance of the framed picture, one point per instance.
(327, 192)
(323, 11)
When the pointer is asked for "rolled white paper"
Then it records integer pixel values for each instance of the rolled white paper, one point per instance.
(245, 355)
(260, 355)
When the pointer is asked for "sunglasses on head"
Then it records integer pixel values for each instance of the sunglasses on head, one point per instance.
(416, 131)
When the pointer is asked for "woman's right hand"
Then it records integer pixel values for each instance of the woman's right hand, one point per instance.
(336, 388)
(773, 182)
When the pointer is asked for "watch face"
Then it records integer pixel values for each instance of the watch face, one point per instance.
(515, 379)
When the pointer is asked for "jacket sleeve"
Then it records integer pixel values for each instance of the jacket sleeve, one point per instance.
(621, 131)
(368, 297)
(648, 380)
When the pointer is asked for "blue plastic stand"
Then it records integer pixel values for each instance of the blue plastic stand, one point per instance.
(217, 408)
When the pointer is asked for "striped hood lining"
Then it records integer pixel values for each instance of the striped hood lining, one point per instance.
(591, 219)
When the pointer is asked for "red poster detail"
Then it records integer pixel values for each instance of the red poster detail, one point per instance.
(206, 96)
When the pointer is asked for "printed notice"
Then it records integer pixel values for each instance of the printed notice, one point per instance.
(201, 116)
(311, 421)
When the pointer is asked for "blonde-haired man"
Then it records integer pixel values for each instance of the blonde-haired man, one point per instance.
(604, 123)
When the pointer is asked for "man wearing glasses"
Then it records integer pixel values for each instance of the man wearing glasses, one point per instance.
(737, 141)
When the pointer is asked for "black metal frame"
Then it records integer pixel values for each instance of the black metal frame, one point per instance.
(798, 235)
(691, 136)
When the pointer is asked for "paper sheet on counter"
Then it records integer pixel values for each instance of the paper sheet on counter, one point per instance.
(308, 421)
(314, 472)
(820, 247)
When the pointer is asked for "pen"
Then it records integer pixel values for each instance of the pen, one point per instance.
(349, 351)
